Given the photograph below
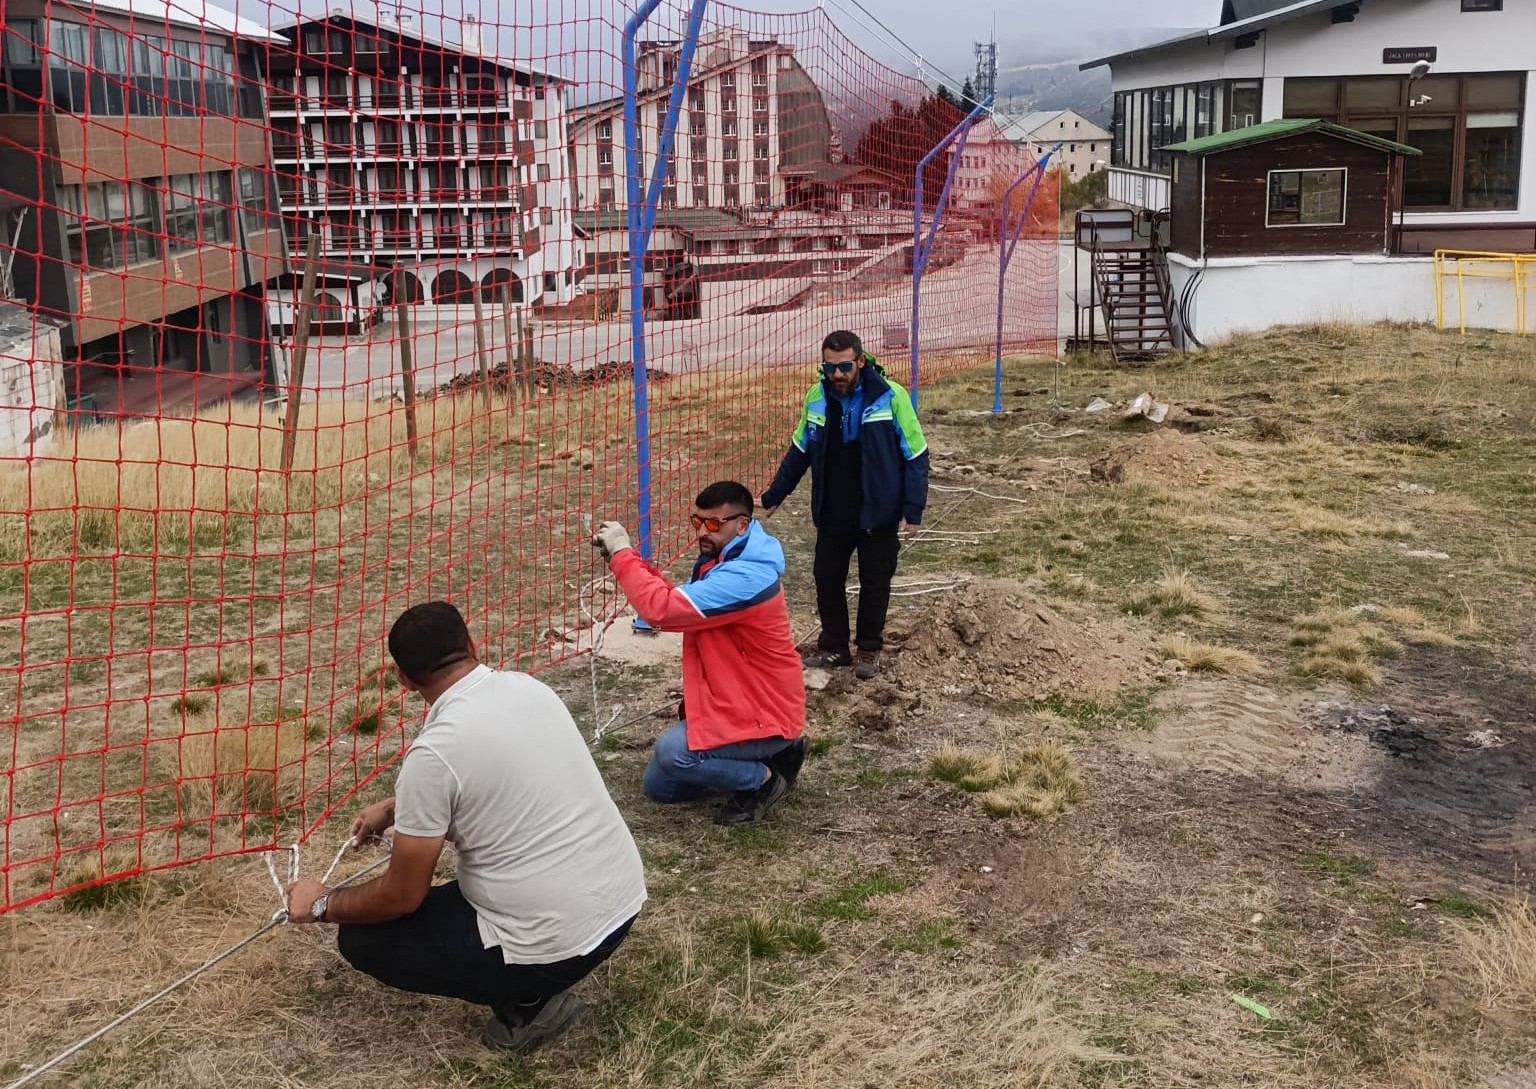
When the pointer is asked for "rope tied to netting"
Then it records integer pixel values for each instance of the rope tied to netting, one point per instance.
(279, 918)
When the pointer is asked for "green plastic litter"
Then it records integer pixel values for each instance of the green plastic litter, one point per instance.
(1253, 1007)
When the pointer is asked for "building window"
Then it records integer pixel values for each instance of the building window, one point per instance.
(728, 128)
(1306, 198)
(543, 172)
(605, 156)
(1468, 127)
(551, 282)
(116, 227)
(1149, 119)
(253, 200)
(217, 199)
(541, 130)
(547, 216)
(760, 192)
(181, 229)
(605, 130)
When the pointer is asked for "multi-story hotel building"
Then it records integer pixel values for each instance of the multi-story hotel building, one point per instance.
(406, 151)
(133, 142)
(750, 114)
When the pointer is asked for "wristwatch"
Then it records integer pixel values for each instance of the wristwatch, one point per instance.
(317, 909)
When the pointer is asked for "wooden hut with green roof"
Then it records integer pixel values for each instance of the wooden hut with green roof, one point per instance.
(1285, 187)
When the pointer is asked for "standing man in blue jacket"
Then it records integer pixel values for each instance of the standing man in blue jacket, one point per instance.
(859, 436)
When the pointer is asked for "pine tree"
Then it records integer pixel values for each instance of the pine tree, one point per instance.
(968, 93)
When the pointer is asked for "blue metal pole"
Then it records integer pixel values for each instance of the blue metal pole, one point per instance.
(641, 220)
(922, 247)
(1005, 249)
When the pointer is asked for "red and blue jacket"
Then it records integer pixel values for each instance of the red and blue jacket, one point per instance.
(742, 679)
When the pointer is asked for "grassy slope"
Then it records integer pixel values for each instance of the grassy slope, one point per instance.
(882, 930)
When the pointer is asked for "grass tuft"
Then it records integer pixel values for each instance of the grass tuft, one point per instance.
(764, 935)
(110, 893)
(1503, 955)
(1342, 644)
(1173, 595)
(1040, 782)
(189, 704)
(852, 901)
(1207, 658)
(254, 768)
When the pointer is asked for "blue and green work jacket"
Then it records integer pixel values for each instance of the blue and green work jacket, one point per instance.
(893, 454)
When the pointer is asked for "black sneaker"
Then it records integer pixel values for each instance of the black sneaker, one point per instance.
(787, 761)
(751, 806)
(826, 659)
(558, 1014)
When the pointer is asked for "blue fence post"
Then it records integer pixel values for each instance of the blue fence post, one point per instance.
(641, 221)
(1005, 247)
(922, 247)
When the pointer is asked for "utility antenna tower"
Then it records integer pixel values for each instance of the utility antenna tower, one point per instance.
(985, 83)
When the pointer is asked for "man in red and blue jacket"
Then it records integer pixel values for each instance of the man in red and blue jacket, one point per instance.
(743, 720)
(859, 437)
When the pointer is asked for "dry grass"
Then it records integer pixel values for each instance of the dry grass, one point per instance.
(1341, 643)
(1040, 782)
(1502, 953)
(1320, 522)
(1173, 595)
(1207, 658)
(232, 769)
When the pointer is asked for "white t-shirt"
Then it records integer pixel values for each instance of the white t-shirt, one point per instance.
(546, 860)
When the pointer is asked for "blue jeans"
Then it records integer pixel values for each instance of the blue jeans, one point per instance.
(677, 773)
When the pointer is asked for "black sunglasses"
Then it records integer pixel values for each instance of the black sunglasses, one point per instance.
(845, 367)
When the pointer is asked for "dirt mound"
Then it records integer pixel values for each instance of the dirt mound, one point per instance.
(1161, 457)
(996, 638)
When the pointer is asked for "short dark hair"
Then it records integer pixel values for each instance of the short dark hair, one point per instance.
(842, 341)
(427, 639)
(725, 493)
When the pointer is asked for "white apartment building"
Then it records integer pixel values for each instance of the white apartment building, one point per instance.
(406, 151)
(750, 113)
(1084, 145)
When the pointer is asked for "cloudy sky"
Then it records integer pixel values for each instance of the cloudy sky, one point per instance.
(1028, 31)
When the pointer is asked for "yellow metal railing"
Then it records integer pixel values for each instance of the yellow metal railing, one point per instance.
(1517, 269)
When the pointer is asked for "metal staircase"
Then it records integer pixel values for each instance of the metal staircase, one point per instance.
(1130, 286)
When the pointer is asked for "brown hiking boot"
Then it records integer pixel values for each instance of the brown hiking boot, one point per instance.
(866, 664)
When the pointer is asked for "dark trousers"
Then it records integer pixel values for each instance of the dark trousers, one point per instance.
(437, 950)
(836, 542)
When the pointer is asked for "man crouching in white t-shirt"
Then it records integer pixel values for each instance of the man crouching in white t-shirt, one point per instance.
(549, 879)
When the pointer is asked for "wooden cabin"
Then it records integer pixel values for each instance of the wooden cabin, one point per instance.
(1287, 187)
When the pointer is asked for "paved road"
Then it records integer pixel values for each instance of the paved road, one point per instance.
(959, 312)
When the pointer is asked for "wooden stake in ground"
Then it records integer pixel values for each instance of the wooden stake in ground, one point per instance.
(301, 324)
(407, 367)
(522, 357)
(480, 352)
(506, 336)
(525, 334)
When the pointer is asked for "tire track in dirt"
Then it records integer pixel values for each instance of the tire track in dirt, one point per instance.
(1245, 728)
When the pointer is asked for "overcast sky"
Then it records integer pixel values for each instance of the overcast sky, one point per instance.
(559, 32)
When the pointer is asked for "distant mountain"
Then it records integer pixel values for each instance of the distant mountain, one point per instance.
(1057, 87)
(1036, 77)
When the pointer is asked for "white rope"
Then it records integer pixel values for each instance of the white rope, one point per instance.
(978, 491)
(276, 921)
(599, 636)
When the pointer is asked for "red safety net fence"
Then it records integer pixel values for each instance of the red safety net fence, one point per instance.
(308, 318)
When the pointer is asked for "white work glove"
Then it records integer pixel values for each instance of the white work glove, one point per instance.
(612, 538)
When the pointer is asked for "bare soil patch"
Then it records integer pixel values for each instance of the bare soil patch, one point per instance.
(999, 638)
(1166, 456)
